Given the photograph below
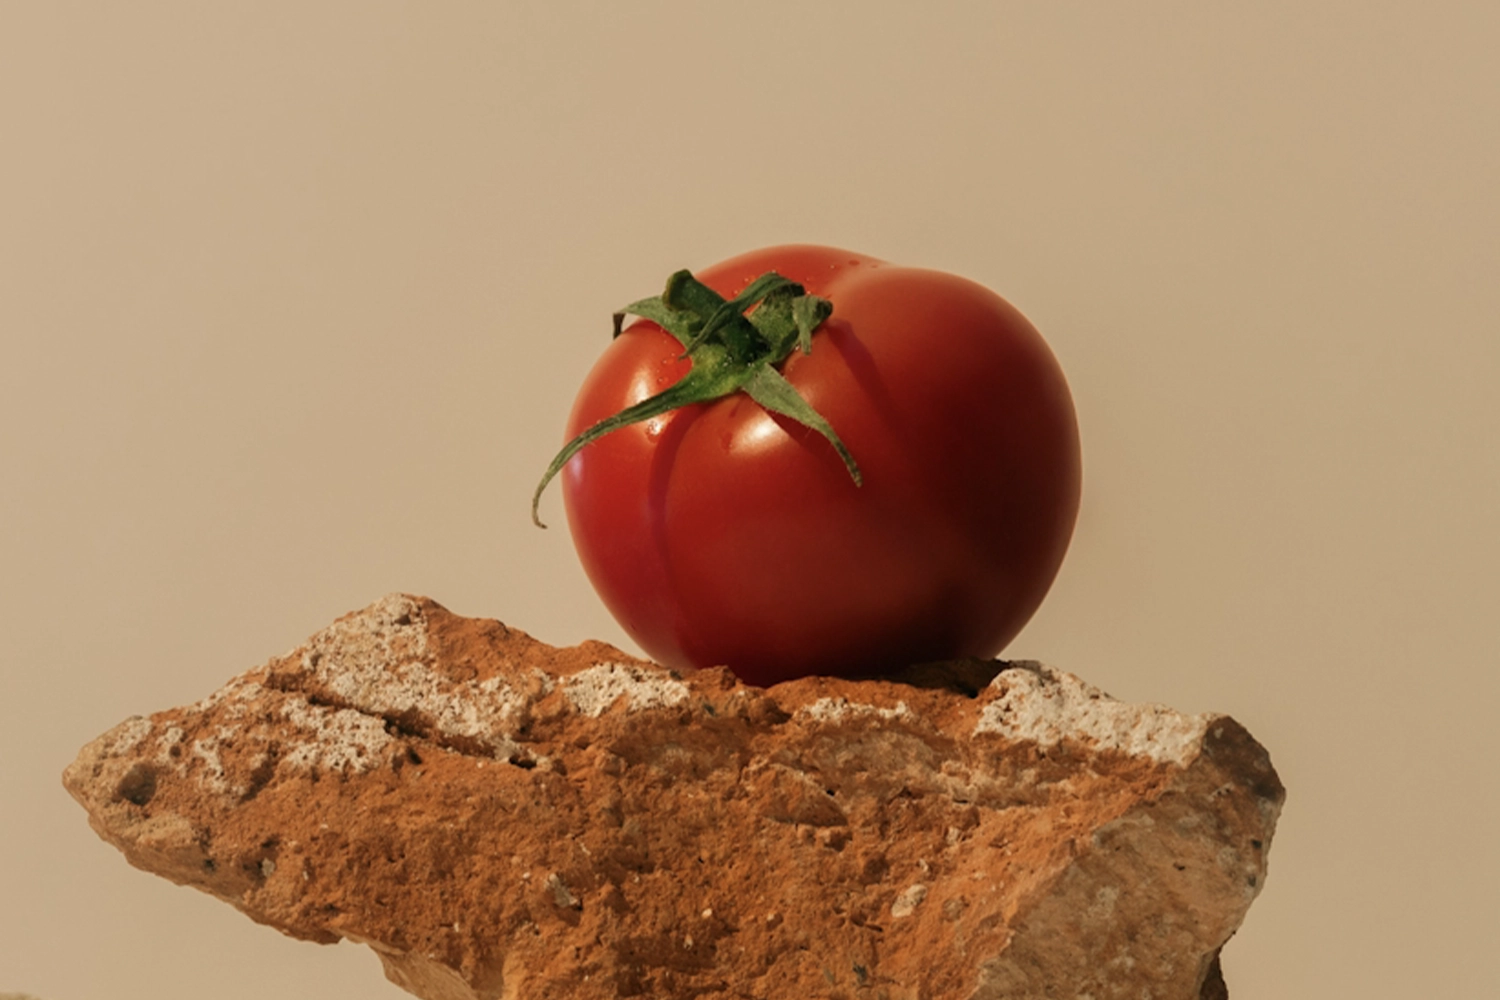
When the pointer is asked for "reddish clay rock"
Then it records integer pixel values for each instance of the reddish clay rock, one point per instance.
(502, 820)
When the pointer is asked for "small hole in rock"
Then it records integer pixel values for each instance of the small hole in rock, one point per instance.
(138, 785)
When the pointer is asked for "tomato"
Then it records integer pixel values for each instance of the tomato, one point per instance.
(723, 534)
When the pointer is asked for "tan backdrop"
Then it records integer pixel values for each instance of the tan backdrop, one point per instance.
(294, 298)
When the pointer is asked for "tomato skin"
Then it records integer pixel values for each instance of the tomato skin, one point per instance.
(719, 534)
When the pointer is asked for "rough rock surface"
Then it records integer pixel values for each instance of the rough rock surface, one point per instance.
(500, 819)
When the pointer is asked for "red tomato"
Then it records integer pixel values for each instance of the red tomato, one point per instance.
(720, 534)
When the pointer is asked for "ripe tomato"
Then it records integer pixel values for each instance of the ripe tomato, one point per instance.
(723, 534)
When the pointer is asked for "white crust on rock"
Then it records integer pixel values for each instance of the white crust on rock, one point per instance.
(339, 739)
(128, 735)
(840, 709)
(379, 661)
(1036, 703)
(593, 691)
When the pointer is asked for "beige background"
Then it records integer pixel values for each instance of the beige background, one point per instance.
(294, 298)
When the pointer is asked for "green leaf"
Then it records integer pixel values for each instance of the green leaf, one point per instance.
(771, 390)
(734, 309)
(677, 322)
(712, 376)
(773, 320)
(686, 292)
(809, 312)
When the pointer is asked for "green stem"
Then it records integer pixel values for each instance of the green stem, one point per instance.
(730, 352)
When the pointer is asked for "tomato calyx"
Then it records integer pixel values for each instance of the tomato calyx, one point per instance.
(734, 345)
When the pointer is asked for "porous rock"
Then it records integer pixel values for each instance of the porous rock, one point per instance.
(500, 819)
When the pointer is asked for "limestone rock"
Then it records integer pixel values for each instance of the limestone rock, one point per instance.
(503, 820)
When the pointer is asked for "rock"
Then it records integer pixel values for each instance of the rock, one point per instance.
(500, 819)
